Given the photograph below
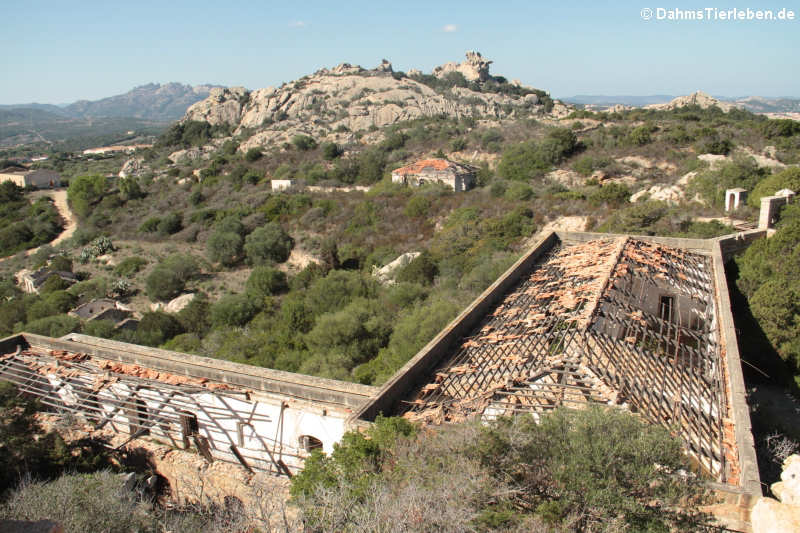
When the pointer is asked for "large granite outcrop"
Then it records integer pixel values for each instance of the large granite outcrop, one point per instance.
(333, 104)
(781, 515)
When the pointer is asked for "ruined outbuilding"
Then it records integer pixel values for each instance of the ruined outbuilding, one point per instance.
(455, 175)
(262, 419)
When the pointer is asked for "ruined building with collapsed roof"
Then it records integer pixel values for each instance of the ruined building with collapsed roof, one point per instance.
(636, 323)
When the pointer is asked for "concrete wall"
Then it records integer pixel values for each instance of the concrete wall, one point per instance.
(17, 179)
(770, 210)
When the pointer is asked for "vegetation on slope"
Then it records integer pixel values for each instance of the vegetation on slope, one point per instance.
(594, 470)
(25, 224)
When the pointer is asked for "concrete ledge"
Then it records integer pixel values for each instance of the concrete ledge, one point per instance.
(387, 398)
(350, 395)
(749, 479)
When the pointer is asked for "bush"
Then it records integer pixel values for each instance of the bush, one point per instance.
(591, 470)
(155, 328)
(84, 192)
(233, 310)
(266, 281)
(224, 247)
(612, 194)
(518, 192)
(422, 269)
(417, 206)
(304, 142)
(786, 179)
(330, 151)
(80, 502)
(253, 155)
(169, 278)
(533, 159)
(269, 243)
(169, 224)
(54, 326)
(130, 266)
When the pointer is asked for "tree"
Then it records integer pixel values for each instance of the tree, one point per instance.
(269, 243)
(129, 189)
(84, 192)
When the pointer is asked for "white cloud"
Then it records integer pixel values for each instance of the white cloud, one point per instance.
(449, 28)
(298, 24)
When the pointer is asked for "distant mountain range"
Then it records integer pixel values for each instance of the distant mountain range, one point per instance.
(154, 101)
(754, 104)
(144, 109)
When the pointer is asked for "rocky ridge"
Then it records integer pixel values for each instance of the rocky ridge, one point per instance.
(342, 103)
(698, 98)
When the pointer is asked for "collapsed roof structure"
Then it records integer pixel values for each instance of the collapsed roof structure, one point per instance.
(635, 323)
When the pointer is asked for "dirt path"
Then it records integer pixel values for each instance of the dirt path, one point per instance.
(59, 197)
(70, 223)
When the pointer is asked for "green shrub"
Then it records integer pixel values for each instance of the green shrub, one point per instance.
(785, 179)
(169, 277)
(330, 151)
(253, 154)
(612, 194)
(422, 269)
(518, 192)
(269, 243)
(170, 223)
(304, 142)
(54, 326)
(532, 159)
(130, 266)
(233, 310)
(417, 206)
(84, 192)
(590, 470)
(266, 281)
(155, 328)
(224, 247)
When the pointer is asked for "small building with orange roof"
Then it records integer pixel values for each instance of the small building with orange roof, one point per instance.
(455, 175)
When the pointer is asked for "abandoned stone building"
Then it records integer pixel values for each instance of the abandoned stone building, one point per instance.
(457, 176)
(642, 324)
(23, 177)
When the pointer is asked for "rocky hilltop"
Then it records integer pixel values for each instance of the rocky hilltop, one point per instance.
(347, 101)
(698, 98)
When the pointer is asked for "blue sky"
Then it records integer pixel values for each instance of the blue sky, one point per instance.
(58, 52)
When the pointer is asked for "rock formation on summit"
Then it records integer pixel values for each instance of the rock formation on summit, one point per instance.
(342, 103)
(475, 68)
